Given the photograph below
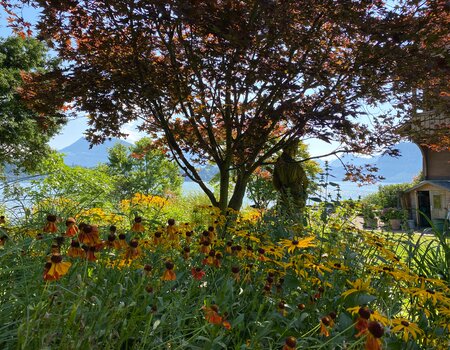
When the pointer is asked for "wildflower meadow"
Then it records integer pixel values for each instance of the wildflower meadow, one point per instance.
(154, 273)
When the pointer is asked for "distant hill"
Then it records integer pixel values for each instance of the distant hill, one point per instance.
(394, 169)
(78, 153)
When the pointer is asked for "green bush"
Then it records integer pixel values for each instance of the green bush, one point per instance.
(388, 196)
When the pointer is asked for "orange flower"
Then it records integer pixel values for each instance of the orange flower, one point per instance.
(157, 239)
(50, 226)
(112, 242)
(186, 252)
(228, 247)
(171, 230)
(3, 239)
(89, 235)
(197, 273)
(363, 320)
(90, 253)
(375, 332)
(226, 325)
(55, 269)
(205, 246)
(75, 251)
(290, 343)
(211, 233)
(133, 251)
(324, 323)
(72, 228)
(236, 274)
(169, 274)
(137, 226)
(212, 315)
(218, 259)
(188, 236)
(122, 244)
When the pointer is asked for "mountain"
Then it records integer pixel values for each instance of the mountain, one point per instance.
(78, 153)
(393, 169)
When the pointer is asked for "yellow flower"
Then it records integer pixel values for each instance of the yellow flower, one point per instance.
(426, 294)
(295, 243)
(56, 268)
(273, 250)
(376, 316)
(408, 328)
(319, 268)
(358, 286)
(444, 311)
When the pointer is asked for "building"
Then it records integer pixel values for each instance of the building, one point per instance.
(431, 197)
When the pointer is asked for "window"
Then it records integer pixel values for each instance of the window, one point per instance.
(437, 200)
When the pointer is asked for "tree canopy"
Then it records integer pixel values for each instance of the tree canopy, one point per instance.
(23, 133)
(233, 82)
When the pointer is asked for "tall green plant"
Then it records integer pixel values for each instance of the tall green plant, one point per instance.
(140, 168)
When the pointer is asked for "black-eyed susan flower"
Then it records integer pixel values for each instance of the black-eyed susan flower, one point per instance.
(50, 226)
(56, 268)
(297, 243)
(426, 294)
(358, 286)
(402, 325)
(169, 274)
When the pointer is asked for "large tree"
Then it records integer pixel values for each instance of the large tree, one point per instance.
(233, 82)
(23, 133)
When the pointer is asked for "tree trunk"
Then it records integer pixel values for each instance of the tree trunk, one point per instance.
(239, 192)
(223, 195)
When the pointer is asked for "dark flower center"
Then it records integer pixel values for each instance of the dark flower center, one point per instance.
(56, 259)
(376, 329)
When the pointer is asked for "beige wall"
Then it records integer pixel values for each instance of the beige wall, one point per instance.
(436, 213)
(436, 164)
